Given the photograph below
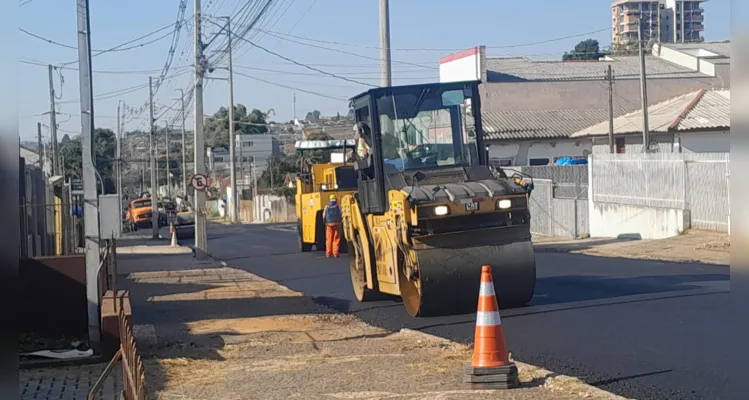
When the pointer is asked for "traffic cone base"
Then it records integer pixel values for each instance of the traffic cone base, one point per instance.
(490, 367)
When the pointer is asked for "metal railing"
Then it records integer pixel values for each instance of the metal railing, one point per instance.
(133, 371)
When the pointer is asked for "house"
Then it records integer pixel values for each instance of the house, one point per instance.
(696, 122)
(530, 108)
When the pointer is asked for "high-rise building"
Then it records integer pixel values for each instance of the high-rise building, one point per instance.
(665, 21)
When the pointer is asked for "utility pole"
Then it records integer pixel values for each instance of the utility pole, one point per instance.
(644, 95)
(168, 177)
(234, 207)
(184, 157)
(53, 125)
(39, 145)
(294, 107)
(201, 238)
(610, 79)
(385, 67)
(90, 198)
(118, 157)
(152, 158)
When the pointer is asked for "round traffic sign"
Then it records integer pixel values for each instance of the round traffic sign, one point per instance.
(199, 182)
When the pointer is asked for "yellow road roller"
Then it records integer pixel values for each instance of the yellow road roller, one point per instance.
(429, 211)
(316, 182)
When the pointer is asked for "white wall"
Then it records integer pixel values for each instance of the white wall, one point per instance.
(468, 65)
(521, 152)
(620, 220)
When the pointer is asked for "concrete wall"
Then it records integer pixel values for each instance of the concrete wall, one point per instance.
(270, 208)
(623, 220)
(690, 142)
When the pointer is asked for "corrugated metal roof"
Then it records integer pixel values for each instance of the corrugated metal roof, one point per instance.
(712, 111)
(513, 69)
(700, 109)
(539, 124)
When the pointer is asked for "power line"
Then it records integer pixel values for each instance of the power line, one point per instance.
(349, 53)
(50, 41)
(301, 64)
(340, 73)
(556, 39)
(114, 72)
(118, 92)
(289, 87)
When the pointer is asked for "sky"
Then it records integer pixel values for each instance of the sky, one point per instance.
(337, 36)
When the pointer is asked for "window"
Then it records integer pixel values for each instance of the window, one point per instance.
(501, 162)
(539, 161)
(248, 144)
(427, 129)
(620, 145)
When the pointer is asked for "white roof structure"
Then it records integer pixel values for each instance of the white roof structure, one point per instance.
(698, 110)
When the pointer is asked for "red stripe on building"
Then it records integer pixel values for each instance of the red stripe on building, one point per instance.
(458, 56)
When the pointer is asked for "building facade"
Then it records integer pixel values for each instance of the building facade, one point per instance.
(665, 21)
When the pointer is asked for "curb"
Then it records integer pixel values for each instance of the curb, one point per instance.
(553, 381)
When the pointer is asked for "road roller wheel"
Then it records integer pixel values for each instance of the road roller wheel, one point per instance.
(358, 273)
(410, 288)
(303, 247)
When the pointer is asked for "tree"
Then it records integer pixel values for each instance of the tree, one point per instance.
(104, 149)
(313, 116)
(291, 164)
(585, 50)
(216, 127)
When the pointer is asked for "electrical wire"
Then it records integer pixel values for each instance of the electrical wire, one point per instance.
(529, 44)
(302, 64)
(114, 72)
(115, 48)
(289, 87)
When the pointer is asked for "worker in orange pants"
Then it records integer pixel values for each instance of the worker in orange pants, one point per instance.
(332, 217)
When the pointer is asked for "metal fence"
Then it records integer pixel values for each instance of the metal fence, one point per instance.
(559, 209)
(697, 182)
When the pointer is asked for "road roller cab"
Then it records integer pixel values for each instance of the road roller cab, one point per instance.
(316, 182)
(429, 212)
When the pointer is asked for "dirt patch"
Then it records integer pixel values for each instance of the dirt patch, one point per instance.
(693, 246)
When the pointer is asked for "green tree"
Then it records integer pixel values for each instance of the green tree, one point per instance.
(291, 164)
(104, 149)
(216, 127)
(313, 116)
(587, 49)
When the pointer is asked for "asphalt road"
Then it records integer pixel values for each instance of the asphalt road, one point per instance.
(640, 329)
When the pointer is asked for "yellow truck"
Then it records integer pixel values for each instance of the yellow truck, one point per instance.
(315, 184)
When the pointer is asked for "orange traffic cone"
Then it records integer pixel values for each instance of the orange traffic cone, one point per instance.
(491, 367)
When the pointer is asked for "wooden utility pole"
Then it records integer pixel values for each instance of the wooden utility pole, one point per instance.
(610, 79)
(53, 126)
(644, 94)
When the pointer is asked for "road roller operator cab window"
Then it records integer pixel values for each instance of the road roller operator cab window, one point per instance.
(414, 128)
(427, 128)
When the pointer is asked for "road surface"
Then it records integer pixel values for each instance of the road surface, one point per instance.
(640, 329)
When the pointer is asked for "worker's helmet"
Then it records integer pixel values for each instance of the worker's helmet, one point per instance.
(331, 197)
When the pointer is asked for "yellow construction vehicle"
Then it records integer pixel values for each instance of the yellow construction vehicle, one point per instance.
(315, 183)
(429, 211)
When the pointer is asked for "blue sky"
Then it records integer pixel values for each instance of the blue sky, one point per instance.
(424, 30)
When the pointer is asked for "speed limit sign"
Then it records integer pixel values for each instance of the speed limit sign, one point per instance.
(199, 182)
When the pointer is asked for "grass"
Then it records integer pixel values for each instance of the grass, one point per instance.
(30, 342)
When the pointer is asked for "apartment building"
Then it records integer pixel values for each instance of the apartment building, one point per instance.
(666, 21)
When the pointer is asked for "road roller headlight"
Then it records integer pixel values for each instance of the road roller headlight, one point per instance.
(324, 187)
(335, 186)
(440, 210)
(504, 204)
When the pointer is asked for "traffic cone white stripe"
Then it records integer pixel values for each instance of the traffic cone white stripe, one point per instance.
(487, 289)
(488, 318)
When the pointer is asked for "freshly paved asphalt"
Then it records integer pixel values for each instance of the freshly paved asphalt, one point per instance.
(640, 329)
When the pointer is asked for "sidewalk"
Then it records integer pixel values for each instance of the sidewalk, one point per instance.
(693, 246)
(211, 331)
